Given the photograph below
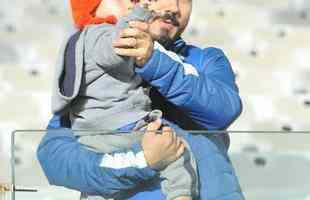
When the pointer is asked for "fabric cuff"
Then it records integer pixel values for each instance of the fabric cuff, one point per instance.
(149, 70)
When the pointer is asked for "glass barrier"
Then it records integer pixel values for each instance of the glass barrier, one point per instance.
(270, 166)
(5, 192)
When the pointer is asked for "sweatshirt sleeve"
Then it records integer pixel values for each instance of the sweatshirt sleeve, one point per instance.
(206, 92)
(67, 163)
(99, 39)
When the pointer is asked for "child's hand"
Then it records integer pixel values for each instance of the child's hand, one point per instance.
(149, 4)
(145, 3)
(161, 149)
(135, 42)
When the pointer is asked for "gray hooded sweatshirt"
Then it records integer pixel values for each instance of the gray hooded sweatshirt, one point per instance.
(107, 92)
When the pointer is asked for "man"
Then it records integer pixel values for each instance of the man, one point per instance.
(196, 90)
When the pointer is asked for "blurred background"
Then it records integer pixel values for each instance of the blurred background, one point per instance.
(267, 42)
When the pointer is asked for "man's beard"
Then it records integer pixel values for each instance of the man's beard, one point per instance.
(163, 37)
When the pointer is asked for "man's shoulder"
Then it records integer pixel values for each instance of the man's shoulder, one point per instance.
(203, 53)
(201, 57)
(213, 51)
(207, 51)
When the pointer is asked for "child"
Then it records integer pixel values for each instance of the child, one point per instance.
(100, 89)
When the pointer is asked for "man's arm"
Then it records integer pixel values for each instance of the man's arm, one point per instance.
(208, 92)
(67, 163)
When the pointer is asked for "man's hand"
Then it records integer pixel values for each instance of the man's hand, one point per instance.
(161, 149)
(135, 42)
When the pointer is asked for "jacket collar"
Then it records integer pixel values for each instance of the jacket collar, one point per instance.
(177, 46)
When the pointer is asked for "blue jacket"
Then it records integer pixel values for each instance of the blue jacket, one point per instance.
(196, 90)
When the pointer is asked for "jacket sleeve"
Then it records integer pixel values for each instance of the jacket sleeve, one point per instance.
(67, 163)
(206, 92)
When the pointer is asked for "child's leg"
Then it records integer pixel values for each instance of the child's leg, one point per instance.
(180, 181)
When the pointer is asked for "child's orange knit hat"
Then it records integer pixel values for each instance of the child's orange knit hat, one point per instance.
(83, 12)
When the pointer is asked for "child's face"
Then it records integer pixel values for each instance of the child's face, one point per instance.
(117, 8)
(120, 8)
